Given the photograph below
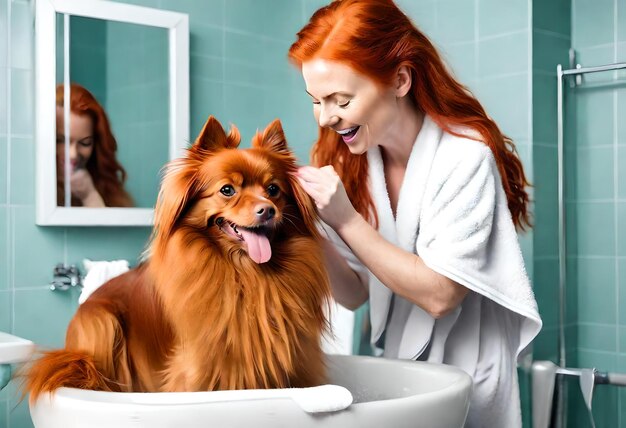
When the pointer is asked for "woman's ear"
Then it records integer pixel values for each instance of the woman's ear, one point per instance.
(403, 81)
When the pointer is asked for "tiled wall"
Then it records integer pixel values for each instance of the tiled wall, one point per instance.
(597, 198)
(239, 73)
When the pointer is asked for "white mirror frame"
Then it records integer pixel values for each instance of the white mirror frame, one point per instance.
(177, 24)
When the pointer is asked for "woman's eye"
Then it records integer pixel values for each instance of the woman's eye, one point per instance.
(273, 190)
(344, 105)
(86, 143)
(227, 190)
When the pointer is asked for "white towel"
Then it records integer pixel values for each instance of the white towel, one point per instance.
(341, 337)
(99, 272)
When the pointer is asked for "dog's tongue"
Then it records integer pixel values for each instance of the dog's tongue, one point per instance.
(259, 248)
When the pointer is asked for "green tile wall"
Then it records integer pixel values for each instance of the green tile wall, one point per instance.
(594, 190)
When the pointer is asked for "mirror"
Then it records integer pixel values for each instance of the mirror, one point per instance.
(112, 90)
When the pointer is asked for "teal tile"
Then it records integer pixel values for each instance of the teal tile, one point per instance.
(496, 94)
(455, 21)
(549, 50)
(545, 216)
(19, 414)
(621, 22)
(596, 229)
(544, 109)
(5, 249)
(423, 14)
(596, 284)
(571, 296)
(594, 124)
(282, 20)
(242, 74)
(505, 54)
(22, 102)
(5, 310)
(209, 12)
(3, 170)
(147, 3)
(603, 361)
(598, 337)
(545, 345)
(246, 15)
(546, 287)
(244, 48)
(571, 345)
(554, 15)
(3, 103)
(4, 30)
(621, 229)
(22, 171)
(207, 98)
(621, 124)
(592, 22)
(21, 35)
(243, 106)
(206, 40)
(497, 16)
(622, 339)
(593, 56)
(4, 417)
(45, 245)
(206, 67)
(35, 308)
(595, 173)
(275, 55)
(461, 58)
(105, 243)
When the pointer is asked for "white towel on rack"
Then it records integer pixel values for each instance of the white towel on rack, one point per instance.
(99, 272)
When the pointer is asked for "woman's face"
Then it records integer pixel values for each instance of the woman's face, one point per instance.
(81, 140)
(351, 104)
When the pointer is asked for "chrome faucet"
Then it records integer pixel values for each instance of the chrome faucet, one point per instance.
(65, 277)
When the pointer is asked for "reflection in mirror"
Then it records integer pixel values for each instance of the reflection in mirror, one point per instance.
(95, 177)
(134, 62)
(119, 111)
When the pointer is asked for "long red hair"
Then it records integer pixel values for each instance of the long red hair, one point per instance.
(375, 38)
(107, 173)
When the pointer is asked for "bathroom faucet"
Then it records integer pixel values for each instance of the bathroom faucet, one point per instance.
(65, 277)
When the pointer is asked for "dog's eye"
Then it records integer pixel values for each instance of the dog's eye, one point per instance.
(273, 190)
(227, 190)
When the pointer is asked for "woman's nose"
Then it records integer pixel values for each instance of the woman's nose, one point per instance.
(327, 118)
(73, 151)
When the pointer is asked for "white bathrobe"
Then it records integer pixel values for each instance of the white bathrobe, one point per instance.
(452, 212)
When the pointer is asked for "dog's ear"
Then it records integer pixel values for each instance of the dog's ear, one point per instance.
(273, 139)
(308, 211)
(213, 137)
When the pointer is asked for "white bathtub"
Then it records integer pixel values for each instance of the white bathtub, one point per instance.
(387, 393)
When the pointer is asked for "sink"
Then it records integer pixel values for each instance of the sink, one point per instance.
(386, 393)
(13, 349)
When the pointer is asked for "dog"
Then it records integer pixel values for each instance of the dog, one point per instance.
(233, 293)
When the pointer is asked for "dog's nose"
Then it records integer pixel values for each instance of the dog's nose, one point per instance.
(265, 212)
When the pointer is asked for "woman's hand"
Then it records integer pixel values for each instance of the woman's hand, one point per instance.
(325, 187)
(83, 188)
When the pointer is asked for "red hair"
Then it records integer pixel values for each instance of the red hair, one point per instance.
(375, 38)
(107, 173)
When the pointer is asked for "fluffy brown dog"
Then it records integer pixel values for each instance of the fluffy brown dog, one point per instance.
(234, 291)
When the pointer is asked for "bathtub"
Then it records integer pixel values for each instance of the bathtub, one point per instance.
(385, 393)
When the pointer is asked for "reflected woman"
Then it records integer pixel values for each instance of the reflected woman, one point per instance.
(96, 177)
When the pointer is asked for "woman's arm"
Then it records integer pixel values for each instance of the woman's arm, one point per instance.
(401, 271)
(349, 289)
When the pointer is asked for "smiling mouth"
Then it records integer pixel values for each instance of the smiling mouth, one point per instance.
(254, 239)
(349, 134)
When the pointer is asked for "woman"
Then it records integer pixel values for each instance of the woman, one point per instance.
(422, 194)
(96, 177)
